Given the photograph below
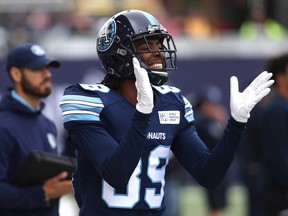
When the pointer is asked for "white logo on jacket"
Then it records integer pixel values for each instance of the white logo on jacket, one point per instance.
(52, 140)
(169, 117)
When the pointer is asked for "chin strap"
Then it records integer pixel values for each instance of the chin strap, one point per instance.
(157, 78)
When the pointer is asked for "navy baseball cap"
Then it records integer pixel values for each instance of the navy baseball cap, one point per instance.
(30, 56)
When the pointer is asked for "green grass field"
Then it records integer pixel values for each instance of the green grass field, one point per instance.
(193, 203)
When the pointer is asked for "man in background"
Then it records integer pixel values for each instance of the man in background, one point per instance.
(211, 117)
(23, 129)
(274, 138)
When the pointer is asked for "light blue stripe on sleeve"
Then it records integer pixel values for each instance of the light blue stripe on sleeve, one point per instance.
(80, 108)
(75, 106)
(79, 117)
(189, 118)
(188, 110)
(82, 98)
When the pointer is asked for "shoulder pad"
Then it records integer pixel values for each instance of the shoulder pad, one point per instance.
(95, 87)
(176, 94)
(165, 89)
(78, 105)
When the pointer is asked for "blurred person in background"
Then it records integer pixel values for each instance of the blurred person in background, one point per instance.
(124, 127)
(23, 129)
(250, 155)
(211, 117)
(176, 176)
(274, 139)
(197, 25)
(259, 25)
(37, 24)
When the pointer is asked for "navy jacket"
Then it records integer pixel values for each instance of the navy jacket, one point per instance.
(274, 139)
(21, 131)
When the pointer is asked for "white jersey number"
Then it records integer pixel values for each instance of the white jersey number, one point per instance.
(132, 196)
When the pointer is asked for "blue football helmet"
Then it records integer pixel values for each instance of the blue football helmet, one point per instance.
(115, 45)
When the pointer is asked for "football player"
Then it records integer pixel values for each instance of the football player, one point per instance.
(124, 128)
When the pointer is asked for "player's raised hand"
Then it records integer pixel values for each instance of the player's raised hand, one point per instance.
(144, 90)
(241, 103)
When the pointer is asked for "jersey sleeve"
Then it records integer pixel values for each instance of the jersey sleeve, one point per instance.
(208, 168)
(114, 162)
(80, 106)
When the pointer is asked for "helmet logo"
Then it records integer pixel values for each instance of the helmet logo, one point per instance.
(106, 36)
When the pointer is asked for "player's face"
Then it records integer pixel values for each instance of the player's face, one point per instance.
(154, 58)
(36, 82)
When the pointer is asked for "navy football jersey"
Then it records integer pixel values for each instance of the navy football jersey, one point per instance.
(122, 154)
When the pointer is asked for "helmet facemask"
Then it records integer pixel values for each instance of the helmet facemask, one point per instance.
(167, 50)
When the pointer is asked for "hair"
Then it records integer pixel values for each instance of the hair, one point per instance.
(277, 65)
(111, 81)
(9, 75)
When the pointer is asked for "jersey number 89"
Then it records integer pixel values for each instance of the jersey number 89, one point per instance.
(132, 197)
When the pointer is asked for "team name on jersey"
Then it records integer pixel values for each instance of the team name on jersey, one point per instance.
(169, 117)
(156, 135)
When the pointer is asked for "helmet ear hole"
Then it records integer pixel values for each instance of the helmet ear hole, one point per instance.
(124, 65)
(115, 60)
(110, 63)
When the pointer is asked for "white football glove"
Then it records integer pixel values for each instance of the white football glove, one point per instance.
(144, 90)
(242, 103)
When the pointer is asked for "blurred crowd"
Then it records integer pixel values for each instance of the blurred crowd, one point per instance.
(202, 19)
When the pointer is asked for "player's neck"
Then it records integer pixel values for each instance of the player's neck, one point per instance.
(128, 91)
